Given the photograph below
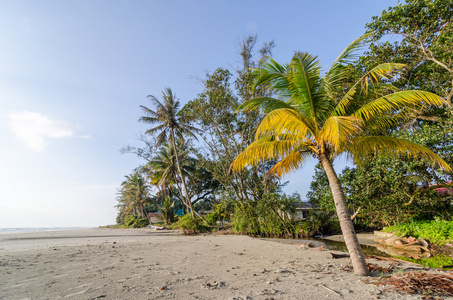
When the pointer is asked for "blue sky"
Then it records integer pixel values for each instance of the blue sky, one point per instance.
(73, 74)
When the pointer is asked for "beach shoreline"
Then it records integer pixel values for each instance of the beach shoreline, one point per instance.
(144, 264)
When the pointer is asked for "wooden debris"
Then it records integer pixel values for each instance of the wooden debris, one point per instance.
(335, 256)
(373, 268)
(424, 283)
(329, 289)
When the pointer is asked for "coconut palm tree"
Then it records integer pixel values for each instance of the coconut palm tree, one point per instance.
(316, 116)
(171, 124)
(163, 169)
(133, 195)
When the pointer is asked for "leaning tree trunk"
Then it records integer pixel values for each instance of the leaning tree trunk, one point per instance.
(186, 196)
(347, 228)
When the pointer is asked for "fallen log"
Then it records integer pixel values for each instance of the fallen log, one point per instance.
(335, 256)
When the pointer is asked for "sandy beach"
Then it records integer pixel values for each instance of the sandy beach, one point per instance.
(145, 264)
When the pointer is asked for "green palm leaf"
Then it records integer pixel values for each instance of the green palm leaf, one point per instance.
(397, 101)
(266, 104)
(369, 81)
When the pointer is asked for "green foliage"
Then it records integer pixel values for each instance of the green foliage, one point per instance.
(437, 231)
(191, 225)
(211, 219)
(167, 211)
(391, 191)
(130, 220)
(322, 223)
(269, 217)
(132, 196)
(320, 194)
(223, 210)
(226, 132)
(424, 40)
(140, 223)
(431, 262)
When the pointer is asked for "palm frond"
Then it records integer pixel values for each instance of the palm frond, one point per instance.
(369, 84)
(351, 52)
(304, 83)
(286, 121)
(391, 146)
(262, 150)
(274, 74)
(396, 101)
(266, 104)
(155, 129)
(337, 131)
(156, 102)
(338, 72)
(293, 161)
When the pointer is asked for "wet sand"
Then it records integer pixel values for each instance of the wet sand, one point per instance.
(144, 264)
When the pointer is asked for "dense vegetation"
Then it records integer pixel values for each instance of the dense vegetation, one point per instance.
(226, 150)
(437, 231)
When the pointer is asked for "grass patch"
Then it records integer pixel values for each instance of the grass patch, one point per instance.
(431, 262)
(437, 231)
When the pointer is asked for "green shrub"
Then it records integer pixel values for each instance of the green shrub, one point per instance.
(130, 220)
(322, 223)
(140, 223)
(212, 219)
(191, 225)
(269, 217)
(437, 231)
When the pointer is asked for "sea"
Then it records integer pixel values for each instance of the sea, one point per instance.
(32, 229)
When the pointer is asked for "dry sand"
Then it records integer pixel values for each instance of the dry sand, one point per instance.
(144, 264)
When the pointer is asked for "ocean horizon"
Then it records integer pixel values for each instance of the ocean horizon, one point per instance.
(32, 229)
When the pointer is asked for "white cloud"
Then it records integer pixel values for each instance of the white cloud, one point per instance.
(34, 129)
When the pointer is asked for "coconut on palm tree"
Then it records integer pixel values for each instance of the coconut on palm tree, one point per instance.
(319, 116)
(172, 124)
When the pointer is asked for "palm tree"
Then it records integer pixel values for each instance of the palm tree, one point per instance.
(163, 170)
(172, 123)
(133, 195)
(318, 117)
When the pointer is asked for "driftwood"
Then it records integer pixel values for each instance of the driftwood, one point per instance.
(335, 256)
(329, 289)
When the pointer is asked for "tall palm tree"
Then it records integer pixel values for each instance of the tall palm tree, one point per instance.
(317, 117)
(171, 124)
(163, 170)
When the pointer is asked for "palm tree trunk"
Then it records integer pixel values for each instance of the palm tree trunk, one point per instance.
(186, 196)
(347, 228)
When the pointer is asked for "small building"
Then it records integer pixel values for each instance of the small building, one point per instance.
(303, 210)
(154, 217)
